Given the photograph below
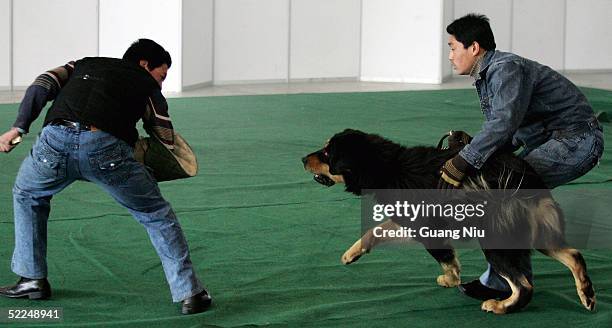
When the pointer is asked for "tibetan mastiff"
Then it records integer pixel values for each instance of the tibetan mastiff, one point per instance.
(363, 161)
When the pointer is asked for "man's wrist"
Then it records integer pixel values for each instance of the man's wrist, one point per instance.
(460, 164)
(20, 130)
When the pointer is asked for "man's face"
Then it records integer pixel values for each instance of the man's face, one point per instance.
(159, 73)
(460, 57)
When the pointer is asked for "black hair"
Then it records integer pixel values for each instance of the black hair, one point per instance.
(149, 50)
(470, 28)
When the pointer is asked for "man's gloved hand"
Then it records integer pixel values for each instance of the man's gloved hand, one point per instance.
(453, 172)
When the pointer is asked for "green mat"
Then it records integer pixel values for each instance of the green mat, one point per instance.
(267, 240)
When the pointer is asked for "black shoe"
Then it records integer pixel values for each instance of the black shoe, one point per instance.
(475, 289)
(196, 303)
(34, 289)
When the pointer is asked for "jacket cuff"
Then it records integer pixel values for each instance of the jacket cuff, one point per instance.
(20, 130)
(471, 157)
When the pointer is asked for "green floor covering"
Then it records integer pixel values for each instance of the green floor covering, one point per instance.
(267, 240)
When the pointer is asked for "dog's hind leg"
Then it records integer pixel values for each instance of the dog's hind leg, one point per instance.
(572, 259)
(510, 264)
(451, 268)
(369, 240)
(522, 292)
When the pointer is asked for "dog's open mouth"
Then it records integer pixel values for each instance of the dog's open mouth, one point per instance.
(324, 180)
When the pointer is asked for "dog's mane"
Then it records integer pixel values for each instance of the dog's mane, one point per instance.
(389, 165)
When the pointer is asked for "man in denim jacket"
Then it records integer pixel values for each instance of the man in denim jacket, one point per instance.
(525, 104)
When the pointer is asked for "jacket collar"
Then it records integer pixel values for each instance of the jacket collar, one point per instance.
(486, 62)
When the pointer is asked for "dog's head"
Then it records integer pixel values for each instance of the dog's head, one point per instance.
(347, 156)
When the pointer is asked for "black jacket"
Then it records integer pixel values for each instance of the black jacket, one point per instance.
(108, 93)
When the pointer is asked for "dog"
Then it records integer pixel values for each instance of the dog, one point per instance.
(363, 161)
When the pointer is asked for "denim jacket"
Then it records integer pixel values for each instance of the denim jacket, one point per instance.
(523, 102)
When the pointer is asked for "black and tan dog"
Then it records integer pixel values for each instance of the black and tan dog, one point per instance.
(367, 161)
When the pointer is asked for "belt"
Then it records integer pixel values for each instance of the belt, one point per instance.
(74, 125)
(587, 126)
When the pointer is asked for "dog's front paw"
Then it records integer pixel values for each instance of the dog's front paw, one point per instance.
(494, 306)
(448, 280)
(350, 258)
(353, 253)
(587, 294)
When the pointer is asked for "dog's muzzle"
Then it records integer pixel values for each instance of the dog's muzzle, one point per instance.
(320, 178)
(324, 180)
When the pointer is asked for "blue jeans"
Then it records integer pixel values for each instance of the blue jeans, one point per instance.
(558, 161)
(62, 155)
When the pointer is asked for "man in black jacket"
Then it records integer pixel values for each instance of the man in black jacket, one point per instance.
(89, 134)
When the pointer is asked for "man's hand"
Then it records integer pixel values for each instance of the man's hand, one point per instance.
(9, 140)
(453, 172)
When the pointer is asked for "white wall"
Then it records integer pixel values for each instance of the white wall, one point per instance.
(5, 45)
(49, 33)
(225, 41)
(538, 31)
(448, 16)
(401, 41)
(589, 34)
(197, 52)
(325, 39)
(251, 40)
(122, 22)
(499, 13)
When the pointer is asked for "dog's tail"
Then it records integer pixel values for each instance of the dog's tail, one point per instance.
(547, 224)
(530, 222)
(523, 218)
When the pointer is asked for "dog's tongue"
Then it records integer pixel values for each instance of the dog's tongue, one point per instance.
(324, 180)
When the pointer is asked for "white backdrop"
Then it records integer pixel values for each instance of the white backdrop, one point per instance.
(589, 35)
(48, 34)
(5, 45)
(401, 41)
(122, 22)
(237, 41)
(325, 39)
(197, 47)
(531, 38)
(251, 40)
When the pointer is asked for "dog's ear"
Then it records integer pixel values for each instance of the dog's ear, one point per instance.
(351, 132)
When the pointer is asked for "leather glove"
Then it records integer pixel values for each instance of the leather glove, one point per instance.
(453, 172)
